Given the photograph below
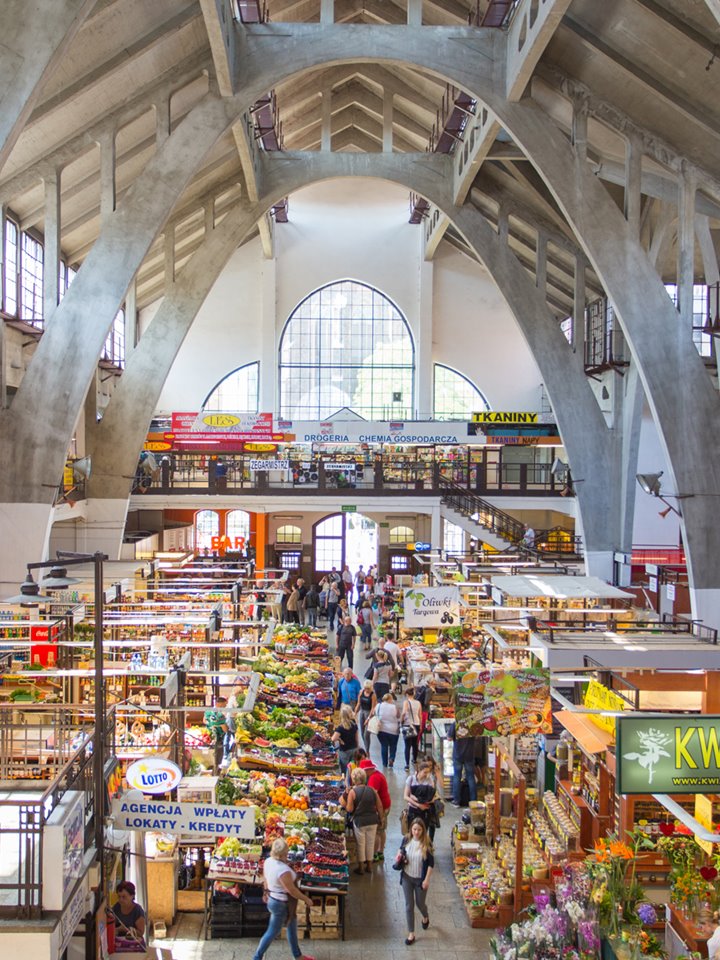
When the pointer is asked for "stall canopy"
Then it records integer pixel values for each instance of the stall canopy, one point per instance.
(591, 738)
(559, 587)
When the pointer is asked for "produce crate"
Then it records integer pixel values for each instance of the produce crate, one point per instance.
(324, 932)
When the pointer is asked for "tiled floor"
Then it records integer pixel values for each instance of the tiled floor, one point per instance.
(375, 914)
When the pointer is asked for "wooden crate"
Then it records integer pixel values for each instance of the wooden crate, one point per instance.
(324, 932)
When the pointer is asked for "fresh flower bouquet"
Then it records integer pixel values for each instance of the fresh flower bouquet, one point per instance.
(679, 846)
(616, 890)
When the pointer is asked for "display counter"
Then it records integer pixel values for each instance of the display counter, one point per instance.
(690, 935)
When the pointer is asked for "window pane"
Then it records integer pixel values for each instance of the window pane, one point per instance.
(288, 534)
(453, 538)
(114, 349)
(207, 526)
(238, 391)
(11, 267)
(456, 397)
(31, 280)
(238, 525)
(346, 345)
(402, 535)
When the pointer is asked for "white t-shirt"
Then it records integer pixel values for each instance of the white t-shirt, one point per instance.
(392, 649)
(272, 871)
(387, 714)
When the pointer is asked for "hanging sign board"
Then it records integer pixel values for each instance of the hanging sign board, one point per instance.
(153, 774)
(188, 819)
(502, 703)
(431, 606)
(252, 692)
(598, 697)
(704, 816)
(500, 416)
(668, 754)
(269, 464)
(423, 432)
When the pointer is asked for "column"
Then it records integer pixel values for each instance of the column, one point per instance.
(51, 272)
(268, 387)
(424, 363)
(579, 309)
(579, 129)
(326, 121)
(162, 121)
(414, 13)
(686, 245)
(261, 540)
(436, 529)
(169, 255)
(541, 262)
(131, 325)
(107, 176)
(388, 106)
(327, 11)
(633, 182)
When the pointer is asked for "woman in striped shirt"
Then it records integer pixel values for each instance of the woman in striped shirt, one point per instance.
(417, 861)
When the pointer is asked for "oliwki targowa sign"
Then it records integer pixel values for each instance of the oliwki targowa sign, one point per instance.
(668, 754)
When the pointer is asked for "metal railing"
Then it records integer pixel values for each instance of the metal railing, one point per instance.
(481, 512)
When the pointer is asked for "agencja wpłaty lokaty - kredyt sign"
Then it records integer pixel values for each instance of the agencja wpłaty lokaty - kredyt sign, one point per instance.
(133, 811)
(668, 754)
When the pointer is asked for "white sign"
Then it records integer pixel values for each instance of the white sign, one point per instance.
(375, 431)
(431, 606)
(252, 692)
(269, 464)
(191, 819)
(670, 591)
(153, 775)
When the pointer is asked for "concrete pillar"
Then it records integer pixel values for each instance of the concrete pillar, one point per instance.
(25, 537)
(209, 217)
(578, 343)
(107, 176)
(414, 13)
(579, 129)
(424, 362)
(633, 180)
(169, 255)
(326, 121)
(271, 325)
(541, 262)
(388, 106)
(327, 11)
(51, 256)
(102, 528)
(162, 121)
(436, 538)
(503, 226)
(131, 320)
(686, 246)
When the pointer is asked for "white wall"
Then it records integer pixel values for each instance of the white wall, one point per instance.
(475, 332)
(359, 230)
(649, 527)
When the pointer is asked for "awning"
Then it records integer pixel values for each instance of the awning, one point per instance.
(590, 737)
(559, 587)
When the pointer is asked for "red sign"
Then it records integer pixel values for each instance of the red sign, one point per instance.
(43, 640)
(220, 431)
(222, 544)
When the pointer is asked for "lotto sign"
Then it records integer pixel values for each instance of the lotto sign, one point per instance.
(431, 606)
(153, 775)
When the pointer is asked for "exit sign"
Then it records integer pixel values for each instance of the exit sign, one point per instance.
(347, 509)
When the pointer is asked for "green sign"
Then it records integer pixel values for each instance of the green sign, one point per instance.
(668, 754)
(346, 509)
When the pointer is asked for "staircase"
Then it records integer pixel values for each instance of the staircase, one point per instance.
(481, 519)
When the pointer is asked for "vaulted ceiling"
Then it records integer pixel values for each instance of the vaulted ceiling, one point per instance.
(637, 68)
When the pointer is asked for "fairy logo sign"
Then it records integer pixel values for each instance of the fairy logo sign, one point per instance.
(668, 754)
(502, 703)
(431, 606)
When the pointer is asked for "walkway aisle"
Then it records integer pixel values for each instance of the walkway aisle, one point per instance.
(375, 906)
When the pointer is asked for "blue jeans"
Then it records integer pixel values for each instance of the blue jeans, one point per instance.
(311, 616)
(278, 915)
(469, 767)
(388, 746)
(366, 634)
(331, 611)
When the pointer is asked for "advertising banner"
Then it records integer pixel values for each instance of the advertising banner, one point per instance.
(209, 427)
(668, 754)
(504, 703)
(598, 697)
(431, 606)
(189, 819)
(423, 432)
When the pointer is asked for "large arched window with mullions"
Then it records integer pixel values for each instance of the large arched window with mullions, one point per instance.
(347, 345)
(455, 396)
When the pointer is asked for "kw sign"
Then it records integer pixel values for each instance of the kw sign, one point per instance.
(668, 754)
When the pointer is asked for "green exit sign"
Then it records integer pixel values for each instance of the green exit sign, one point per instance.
(347, 509)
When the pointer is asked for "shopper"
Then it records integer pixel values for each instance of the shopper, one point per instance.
(367, 812)
(129, 915)
(282, 894)
(311, 604)
(419, 795)
(286, 592)
(293, 605)
(347, 579)
(302, 592)
(346, 641)
(346, 736)
(381, 674)
(366, 703)
(348, 689)
(410, 723)
(463, 762)
(388, 713)
(379, 783)
(416, 861)
(359, 583)
(366, 621)
(219, 726)
(333, 598)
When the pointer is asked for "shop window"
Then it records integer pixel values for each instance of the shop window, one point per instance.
(289, 534)
(238, 391)
(289, 559)
(453, 538)
(402, 535)
(31, 279)
(399, 563)
(455, 396)
(346, 345)
(10, 272)
(238, 525)
(207, 526)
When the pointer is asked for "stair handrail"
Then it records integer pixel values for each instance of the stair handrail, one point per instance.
(505, 525)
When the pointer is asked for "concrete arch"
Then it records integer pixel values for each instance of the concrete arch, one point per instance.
(474, 60)
(590, 445)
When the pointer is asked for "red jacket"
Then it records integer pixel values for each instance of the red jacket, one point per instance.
(377, 781)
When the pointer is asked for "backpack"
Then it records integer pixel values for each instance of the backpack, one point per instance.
(360, 618)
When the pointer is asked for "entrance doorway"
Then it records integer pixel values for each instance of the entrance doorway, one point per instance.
(344, 538)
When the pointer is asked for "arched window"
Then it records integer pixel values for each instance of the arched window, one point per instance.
(238, 525)
(329, 539)
(402, 535)
(207, 526)
(455, 397)
(237, 391)
(347, 345)
(288, 534)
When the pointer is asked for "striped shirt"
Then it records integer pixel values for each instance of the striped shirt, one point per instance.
(414, 854)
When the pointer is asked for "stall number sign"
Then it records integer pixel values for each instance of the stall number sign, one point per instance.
(668, 754)
(153, 775)
(598, 697)
(189, 819)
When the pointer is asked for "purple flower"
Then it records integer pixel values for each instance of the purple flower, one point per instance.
(647, 913)
(542, 900)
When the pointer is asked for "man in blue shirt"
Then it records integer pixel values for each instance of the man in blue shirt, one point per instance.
(348, 689)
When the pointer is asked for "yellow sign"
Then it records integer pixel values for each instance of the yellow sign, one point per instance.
(157, 445)
(221, 420)
(598, 697)
(259, 447)
(68, 479)
(508, 416)
(704, 816)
